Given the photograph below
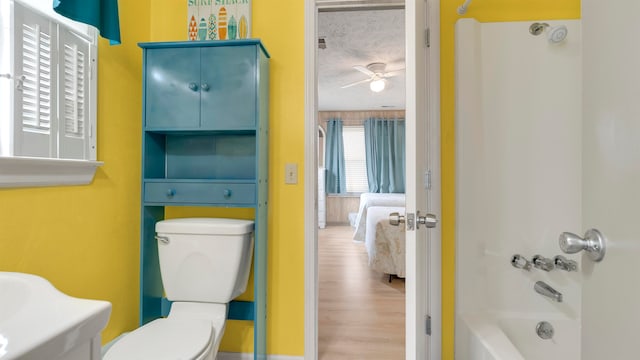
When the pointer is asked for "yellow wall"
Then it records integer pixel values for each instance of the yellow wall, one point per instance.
(483, 11)
(84, 239)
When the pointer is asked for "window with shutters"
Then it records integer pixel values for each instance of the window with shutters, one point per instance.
(355, 159)
(48, 78)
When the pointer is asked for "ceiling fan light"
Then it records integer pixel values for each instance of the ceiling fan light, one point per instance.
(377, 85)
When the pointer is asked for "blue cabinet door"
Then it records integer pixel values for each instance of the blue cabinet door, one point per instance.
(172, 88)
(228, 96)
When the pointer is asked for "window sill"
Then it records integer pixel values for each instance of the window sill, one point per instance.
(18, 172)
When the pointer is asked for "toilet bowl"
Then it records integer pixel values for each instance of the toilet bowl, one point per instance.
(204, 264)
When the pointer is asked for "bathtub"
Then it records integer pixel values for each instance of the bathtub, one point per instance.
(505, 336)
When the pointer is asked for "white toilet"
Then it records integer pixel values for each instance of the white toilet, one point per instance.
(204, 264)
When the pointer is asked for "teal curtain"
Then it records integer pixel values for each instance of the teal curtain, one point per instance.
(336, 180)
(103, 14)
(385, 154)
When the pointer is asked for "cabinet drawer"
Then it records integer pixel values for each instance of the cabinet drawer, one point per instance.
(199, 193)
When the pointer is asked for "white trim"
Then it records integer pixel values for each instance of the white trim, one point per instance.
(416, 285)
(310, 184)
(29, 172)
(249, 356)
(435, 198)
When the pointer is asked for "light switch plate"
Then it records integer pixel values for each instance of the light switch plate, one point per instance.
(290, 173)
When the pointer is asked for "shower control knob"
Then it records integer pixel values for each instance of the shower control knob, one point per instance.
(542, 263)
(520, 262)
(563, 263)
(593, 243)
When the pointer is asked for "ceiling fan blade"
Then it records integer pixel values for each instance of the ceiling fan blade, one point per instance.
(363, 70)
(355, 83)
(393, 72)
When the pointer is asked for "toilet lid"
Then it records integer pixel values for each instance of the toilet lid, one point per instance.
(164, 339)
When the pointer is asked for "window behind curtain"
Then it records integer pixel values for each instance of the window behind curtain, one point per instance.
(355, 159)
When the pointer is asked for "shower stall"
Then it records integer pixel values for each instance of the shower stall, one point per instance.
(548, 142)
(518, 187)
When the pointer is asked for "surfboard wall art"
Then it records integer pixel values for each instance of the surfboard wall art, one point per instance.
(218, 19)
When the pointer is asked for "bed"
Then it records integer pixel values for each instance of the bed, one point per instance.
(368, 200)
(384, 242)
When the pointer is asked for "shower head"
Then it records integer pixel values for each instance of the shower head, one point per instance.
(555, 34)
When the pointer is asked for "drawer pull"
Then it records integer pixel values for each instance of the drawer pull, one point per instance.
(193, 86)
(227, 193)
(204, 87)
(171, 192)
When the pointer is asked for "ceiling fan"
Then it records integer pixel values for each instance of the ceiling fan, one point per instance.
(377, 75)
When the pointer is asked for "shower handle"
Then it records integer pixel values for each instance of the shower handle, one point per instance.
(594, 243)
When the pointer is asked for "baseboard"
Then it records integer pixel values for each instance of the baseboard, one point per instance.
(249, 356)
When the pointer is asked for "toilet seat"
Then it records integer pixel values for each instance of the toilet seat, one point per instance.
(168, 339)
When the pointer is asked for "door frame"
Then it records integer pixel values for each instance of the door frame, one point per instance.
(311, 175)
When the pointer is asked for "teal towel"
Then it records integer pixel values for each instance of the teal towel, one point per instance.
(103, 14)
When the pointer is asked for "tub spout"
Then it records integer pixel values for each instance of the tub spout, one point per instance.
(543, 288)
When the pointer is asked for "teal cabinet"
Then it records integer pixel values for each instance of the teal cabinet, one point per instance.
(204, 88)
(229, 74)
(205, 143)
(172, 94)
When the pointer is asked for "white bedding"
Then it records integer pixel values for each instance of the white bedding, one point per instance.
(368, 200)
(384, 242)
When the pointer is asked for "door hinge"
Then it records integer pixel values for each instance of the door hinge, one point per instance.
(428, 325)
(427, 37)
(427, 179)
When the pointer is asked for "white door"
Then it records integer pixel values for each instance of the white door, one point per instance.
(422, 182)
(611, 177)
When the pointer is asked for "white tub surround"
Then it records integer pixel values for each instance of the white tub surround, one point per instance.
(518, 184)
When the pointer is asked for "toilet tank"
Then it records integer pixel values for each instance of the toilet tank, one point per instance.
(204, 259)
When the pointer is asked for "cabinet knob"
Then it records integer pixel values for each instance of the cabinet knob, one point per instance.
(171, 192)
(205, 87)
(227, 193)
(193, 86)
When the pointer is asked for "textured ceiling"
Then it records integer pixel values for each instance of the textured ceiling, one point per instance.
(360, 37)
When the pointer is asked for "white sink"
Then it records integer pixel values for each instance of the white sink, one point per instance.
(39, 322)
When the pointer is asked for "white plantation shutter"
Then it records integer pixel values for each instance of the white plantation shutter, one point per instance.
(35, 77)
(48, 96)
(54, 95)
(355, 159)
(73, 92)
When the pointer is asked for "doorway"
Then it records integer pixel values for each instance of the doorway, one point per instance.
(361, 303)
(423, 251)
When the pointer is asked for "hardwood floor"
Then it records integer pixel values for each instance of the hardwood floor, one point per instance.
(360, 314)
